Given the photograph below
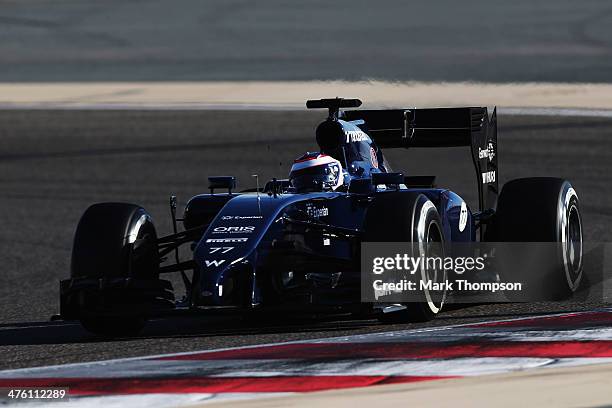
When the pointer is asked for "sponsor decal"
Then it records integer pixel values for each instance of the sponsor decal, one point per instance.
(234, 230)
(241, 217)
(214, 262)
(317, 212)
(225, 240)
(488, 153)
(488, 177)
(463, 217)
(373, 158)
(355, 136)
(222, 250)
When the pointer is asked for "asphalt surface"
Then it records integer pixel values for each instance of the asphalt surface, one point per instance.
(53, 164)
(446, 40)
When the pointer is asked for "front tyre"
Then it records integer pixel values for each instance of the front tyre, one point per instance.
(410, 218)
(114, 242)
(113, 326)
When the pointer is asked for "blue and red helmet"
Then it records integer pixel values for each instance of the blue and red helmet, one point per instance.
(316, 172)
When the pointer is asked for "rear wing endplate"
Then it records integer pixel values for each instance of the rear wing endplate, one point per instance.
(440, 127)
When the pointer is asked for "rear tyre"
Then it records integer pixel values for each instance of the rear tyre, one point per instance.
(411, 218)
(541, 209)
(115, 240)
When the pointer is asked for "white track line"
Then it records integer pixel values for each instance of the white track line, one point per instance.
(246, 367)
(275, 369)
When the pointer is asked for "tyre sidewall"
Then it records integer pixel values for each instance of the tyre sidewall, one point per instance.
(540, 210)
(406, 217)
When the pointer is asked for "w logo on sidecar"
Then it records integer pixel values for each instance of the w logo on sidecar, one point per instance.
(215, 262)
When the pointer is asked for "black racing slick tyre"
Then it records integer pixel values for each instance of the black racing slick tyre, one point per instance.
(541, 210)
(409, 218)
(114, 242)
(113, 326)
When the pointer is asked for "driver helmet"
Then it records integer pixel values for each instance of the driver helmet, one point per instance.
(316, 172)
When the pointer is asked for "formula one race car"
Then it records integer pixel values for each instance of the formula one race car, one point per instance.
(295, 244)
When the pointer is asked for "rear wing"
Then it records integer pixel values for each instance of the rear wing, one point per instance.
(440, 127)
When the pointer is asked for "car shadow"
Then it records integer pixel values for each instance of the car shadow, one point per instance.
(71, 332)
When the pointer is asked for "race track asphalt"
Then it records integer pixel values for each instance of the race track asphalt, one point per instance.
(53, 164)
(237, 40)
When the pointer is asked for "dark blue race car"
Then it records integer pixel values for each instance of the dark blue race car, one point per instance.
(295, 244)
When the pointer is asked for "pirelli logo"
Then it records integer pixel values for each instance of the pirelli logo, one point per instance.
(221, 240)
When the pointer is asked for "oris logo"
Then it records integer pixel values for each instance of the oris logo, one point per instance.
(234, 230)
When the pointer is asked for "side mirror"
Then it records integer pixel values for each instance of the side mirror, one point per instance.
(420, 181)
(361, 186)
(228, 182)
(387, 178)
